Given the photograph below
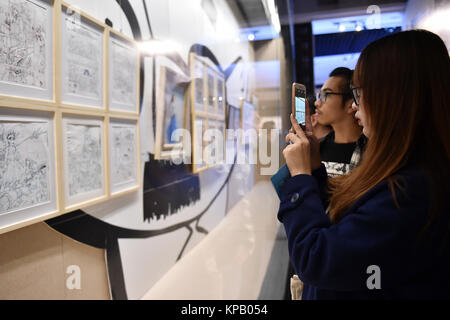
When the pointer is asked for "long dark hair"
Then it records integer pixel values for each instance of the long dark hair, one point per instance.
(405, 81)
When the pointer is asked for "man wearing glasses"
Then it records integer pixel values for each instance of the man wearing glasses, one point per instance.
(341, 148)
(319, 130)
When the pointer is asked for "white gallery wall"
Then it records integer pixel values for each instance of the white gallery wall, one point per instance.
(183, 23)
(432, 15)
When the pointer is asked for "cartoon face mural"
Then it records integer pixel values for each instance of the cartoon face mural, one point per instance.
(146, 232)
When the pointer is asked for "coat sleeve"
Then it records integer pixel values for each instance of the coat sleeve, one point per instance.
(321, 177)
(373, 232)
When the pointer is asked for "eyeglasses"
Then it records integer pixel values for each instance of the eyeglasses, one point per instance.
(323, 95)
(356, 92)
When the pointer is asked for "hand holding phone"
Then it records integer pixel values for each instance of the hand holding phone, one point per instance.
(301, 113)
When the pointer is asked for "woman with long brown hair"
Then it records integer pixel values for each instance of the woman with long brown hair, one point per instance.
(382, 231)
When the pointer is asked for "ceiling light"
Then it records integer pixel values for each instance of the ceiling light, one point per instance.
(159, 47)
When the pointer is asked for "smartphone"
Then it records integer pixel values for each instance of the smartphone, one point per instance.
(299, 103)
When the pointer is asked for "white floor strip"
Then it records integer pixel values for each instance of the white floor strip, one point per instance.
(231, 261)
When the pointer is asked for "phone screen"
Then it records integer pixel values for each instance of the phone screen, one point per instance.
(300, 105)
(300, 110)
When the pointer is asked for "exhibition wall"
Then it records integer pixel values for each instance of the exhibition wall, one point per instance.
(431, 15)
(38, 262)
(140, 221)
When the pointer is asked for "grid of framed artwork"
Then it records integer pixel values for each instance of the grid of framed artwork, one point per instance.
(69, 116)
(207, 100)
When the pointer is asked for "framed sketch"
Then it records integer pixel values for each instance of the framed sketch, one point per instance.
(221, 142)
(248, 118)
(199, 143)
(26, 49)
(27, 166)
(83, 153)
(123, 75)
(81, 61)
(198, 91)
(123, 155)
(170, 112)
(211, 137)
(220, 97)
(214, 149)
(211, 90)
(234, 119)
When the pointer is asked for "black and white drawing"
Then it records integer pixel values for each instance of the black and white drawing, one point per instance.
(25, 48)
(25, 161)
(211, 91)
(248, 116)
(23, 42)
(198, 77)
(221, 143)
(123, 155)
(210, 141)
(200, 126)
(220, 95)
(83, 159)
(82, 63)
(123, 76)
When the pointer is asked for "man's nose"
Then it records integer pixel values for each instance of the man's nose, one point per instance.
(317, 103)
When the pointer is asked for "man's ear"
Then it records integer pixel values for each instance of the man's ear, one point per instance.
(348, 106)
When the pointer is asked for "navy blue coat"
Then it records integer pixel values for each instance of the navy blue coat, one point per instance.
(332, 259)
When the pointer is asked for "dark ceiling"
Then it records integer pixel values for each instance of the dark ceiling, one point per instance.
(348, 42)
(308, 10)
(251, 13)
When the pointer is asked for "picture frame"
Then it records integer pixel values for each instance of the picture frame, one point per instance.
(233, 131)
(28, 184)
(124, 161)
(198, 85)
(123, 93)
(83, 159)
(211, 90)
(248, 118)
(210, 143)
(221, 95)
(234, 118)
(171, 104)
(221, 142)
(200, 162)
(248, 115)
(216, 142)
(82, 60)
(27, 62)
